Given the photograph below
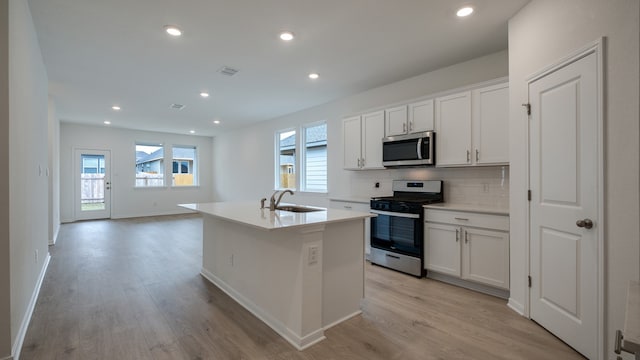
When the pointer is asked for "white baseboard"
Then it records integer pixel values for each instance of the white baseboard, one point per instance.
(516, 306)
(22, 332)
(278, 326)
(329, 326)
(55, 235)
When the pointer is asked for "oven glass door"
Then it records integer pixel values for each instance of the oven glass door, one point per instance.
(398, 232)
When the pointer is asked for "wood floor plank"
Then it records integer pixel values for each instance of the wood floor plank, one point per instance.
(131, 289)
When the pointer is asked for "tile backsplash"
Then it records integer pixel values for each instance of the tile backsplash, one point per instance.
(487, 186)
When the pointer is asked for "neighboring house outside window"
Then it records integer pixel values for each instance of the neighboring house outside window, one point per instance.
(184, 166)
(313, 147)
(149, 165)
(92, 164)
(314, 168)
(286, 167)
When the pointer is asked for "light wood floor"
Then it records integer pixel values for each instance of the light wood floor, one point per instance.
(131, 289)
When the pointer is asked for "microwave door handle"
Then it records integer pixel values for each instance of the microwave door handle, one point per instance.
(419, 148)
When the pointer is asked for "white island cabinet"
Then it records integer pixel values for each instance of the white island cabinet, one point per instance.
(299, 272)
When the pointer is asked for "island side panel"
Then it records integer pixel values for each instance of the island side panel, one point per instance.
(343, 278)
(268, 273)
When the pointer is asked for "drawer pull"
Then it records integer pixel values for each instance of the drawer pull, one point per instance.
(459, 218)
(348, 207)
(393, 256)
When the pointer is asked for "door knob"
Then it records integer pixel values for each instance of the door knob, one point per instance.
(586, 223)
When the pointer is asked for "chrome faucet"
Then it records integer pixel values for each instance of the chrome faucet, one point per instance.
(273, 203)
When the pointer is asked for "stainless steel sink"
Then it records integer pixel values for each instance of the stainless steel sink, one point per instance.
(298, 209)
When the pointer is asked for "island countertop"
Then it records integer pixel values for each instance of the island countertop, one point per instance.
(249, 213)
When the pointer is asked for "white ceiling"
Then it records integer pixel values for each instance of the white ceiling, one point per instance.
(104, 52)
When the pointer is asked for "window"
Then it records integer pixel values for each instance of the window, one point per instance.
(286, 159)
(149, 165)
(313, 159)
(314, 165)
(184, 165)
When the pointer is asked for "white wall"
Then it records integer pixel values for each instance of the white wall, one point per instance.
(54, 172)
(28, 198)
(540, 34)
(245, 158)
(126, 200)
(5, 209)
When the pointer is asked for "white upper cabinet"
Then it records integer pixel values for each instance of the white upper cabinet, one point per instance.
(421, 116)
(396, 121)
(372, 134)
(407, 119)
(362, 139)
(491, 120)
(472, 127)
(453, 129)
(352, 139)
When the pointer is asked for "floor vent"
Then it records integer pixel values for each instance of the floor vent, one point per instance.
(225, 70)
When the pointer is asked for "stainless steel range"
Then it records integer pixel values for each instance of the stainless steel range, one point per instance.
(397, 232)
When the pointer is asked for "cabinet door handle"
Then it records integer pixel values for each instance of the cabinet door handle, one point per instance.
(468, 156)
(358, 162)
(477, 155)
(459, 218)
(347, 207)
(466, 237)
(362, 162)
(410, 126)
(457, 234)
(404, 127)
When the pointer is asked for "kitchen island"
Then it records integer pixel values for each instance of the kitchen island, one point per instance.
(299, 272)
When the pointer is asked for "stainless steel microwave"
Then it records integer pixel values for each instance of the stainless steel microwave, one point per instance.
(409, 150)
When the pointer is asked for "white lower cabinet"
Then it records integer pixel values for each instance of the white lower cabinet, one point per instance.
(357, 206)
(467, 245)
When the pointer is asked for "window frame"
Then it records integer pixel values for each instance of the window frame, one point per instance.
(278, 185)
(194, 167)
(159, 145)
(300, 158)
(303, 157)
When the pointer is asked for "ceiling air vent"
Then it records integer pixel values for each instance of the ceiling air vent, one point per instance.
(225, 70)
(176, 106)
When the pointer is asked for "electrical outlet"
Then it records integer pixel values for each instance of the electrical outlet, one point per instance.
(485, 188)
(313, 255)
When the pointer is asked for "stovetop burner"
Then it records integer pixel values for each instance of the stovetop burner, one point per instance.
(409, 196)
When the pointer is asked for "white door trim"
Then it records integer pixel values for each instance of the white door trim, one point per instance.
(597, 48)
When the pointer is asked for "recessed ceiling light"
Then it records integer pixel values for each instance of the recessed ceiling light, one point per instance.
(465, 11)
(192, 131)
(313, 76)
(204, 94)
(172, 30)
(286, 35)
(115, 107)
(107, 122)
(216, 122)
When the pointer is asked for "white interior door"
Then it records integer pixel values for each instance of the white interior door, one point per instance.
(92, 184)
(564, 173)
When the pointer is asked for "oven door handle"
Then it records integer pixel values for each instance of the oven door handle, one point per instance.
(389, 213)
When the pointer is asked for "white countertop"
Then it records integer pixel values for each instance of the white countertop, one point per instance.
(469, 208)
(249, 213)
